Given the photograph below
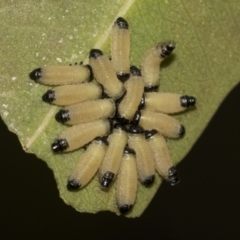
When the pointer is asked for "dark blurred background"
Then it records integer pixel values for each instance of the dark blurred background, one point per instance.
(205, 205)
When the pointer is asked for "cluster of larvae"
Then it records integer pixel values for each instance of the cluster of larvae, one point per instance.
(120, 118)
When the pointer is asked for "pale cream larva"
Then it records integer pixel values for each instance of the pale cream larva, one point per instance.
(144, 155)
(86, 111)
(120, 48)
(168, 102)
(166, 125)
(112, 159)
(105, 74)
(60, 75)
(127, 182)
(71, 94)
(151, 61)
(78, 135)
(134, 91)
(162, 159)
(88, 164)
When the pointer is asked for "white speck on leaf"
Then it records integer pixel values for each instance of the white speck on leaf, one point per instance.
(5, 113)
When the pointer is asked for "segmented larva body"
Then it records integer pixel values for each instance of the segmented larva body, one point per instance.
(71, 94)
(127, 182)
(61, 75)
(120, 48)
(168, 102)
(162, 159)
(151, 61)
(131, 100)
(112, 159)
(87, 165)
(86, 111)
(166, 125)
(78, 135)
(105, 74)
(144, 155)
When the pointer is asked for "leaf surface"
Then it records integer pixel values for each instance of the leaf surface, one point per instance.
(205, 65)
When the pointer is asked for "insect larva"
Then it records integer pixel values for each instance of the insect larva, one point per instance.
(130, 102)
(144, 155)
(166, 125)
(105, 74)
(60, 75)
(120, 48)
(151, 63)
(78, 135)
(112, 159)
(88, 164)
(163, 162)
(168, 102)
(127, 182)
(86, 111)
(70, 94)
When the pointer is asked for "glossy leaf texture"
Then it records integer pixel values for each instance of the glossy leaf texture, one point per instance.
(205, 64)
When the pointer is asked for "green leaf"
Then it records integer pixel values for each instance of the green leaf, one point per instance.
(34, 34)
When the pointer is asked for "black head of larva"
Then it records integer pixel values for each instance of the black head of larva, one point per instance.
(150, 133)
(166, 49)
(59, 145)
(36, 74)
(120, 127)
(123, 77)
(135, 71)
(173, 177)
(136, 118)
(107, 178)
(142, 102)
(151, 88)
(122, 120)
(122, 23)
(124, 208)
(95, 53)
(128, 150)
(49, 96)
(73, 185)
(148, 181)
(181, 131)
(187, 101)
(62, 116)
(136, 130)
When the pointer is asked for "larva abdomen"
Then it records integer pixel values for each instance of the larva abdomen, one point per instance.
(105, 74)
(87, 165)
(86, 111)
(134, 91)
(120, 49)
(78, 135)
(127, 182)
(60, 75)
(151, 61)
(112, 159)
(166, 125)
(71, 94)
(162, 159)
(168, 102)
(144, 155)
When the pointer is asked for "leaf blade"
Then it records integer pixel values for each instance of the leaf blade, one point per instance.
(46, 33)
